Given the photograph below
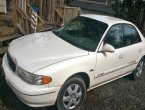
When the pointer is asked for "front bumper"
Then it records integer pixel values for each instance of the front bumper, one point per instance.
(31, 95)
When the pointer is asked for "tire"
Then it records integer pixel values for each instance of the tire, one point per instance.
(72, 94)
(138, 70)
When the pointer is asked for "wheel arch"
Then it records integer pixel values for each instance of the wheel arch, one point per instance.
(143, 57)
(85, 78)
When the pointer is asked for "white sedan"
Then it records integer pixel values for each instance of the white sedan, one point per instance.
(58, 67)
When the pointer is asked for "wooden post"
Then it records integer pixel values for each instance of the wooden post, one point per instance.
(26, 20)
(15, 15)
(40, 7)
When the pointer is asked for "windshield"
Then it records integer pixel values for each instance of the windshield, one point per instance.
(82, 32)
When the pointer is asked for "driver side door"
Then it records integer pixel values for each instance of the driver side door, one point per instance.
(109, 65)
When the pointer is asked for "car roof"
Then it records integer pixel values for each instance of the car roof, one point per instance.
(106, 19)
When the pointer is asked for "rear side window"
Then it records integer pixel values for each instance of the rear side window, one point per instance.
(131, 35)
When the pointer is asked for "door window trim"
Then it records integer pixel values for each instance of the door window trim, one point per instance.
(100, 46)
(123, 24)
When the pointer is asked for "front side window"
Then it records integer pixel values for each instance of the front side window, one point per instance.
(114, 36)
(82, 32)
(131, 35)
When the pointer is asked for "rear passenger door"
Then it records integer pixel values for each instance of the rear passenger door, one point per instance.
(132, 47)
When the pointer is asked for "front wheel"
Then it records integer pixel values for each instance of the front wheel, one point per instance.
(139, 69)
(72, 94)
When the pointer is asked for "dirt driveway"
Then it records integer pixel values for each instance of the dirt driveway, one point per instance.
(122, 94)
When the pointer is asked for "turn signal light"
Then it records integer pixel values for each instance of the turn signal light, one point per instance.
(46, 80)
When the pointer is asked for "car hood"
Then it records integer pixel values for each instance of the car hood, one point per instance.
(35, 51)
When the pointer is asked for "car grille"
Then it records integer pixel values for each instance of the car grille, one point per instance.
(12, 64)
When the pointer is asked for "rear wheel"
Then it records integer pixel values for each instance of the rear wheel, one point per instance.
(139, 69)
(72, 94)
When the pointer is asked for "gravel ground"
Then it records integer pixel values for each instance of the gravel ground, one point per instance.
(122, 94)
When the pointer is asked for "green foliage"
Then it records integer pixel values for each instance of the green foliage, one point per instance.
(132, 10)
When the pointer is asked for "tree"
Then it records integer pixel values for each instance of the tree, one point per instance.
(132, 10)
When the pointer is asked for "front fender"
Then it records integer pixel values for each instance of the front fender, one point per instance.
(61, 71)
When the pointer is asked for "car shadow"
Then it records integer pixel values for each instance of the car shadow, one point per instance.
(8, 100)
(130, 77)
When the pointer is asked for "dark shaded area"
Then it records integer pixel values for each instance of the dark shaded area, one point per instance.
(131, 10)
(94, 5)
(122, 94)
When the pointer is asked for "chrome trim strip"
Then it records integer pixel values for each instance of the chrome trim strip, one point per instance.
(102, 74)
(109, 80)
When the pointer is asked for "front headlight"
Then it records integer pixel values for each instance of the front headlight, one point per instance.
(32, 78)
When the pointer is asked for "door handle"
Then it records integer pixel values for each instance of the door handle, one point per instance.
(140, 50)
(120, 56)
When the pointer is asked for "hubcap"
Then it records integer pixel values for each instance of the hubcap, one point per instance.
(72, 96)
(139, 68)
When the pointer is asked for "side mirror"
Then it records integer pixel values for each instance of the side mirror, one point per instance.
(108, 48)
